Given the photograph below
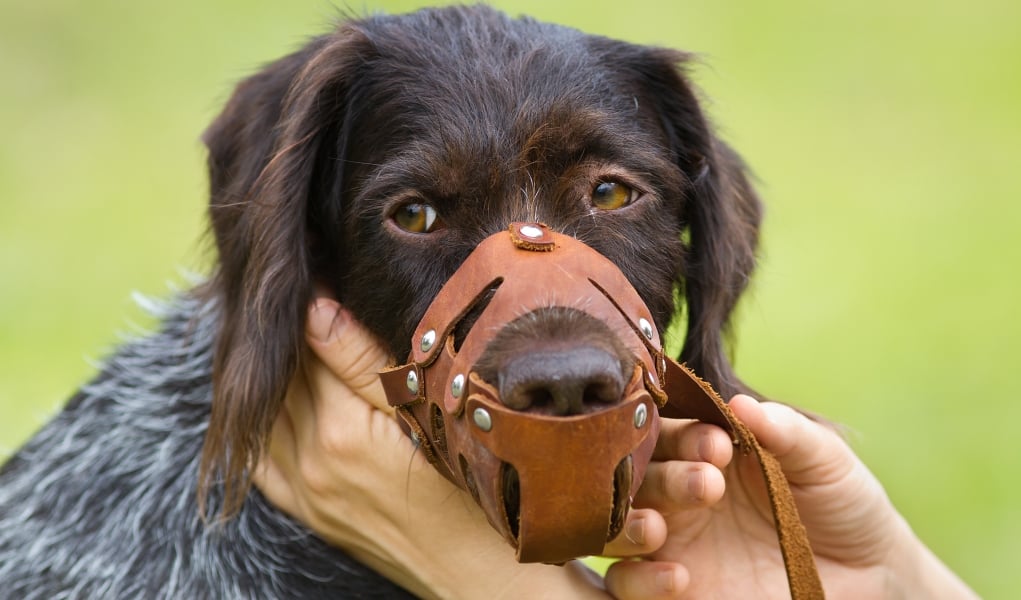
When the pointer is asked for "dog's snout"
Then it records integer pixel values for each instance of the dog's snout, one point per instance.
(561, 383)
(557, 361)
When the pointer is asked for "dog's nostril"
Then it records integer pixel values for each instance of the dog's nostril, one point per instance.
(524, 397)
(601, 392)
(562, 383)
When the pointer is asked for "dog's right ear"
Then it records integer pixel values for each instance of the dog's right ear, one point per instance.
(263, 154)
(721, 213)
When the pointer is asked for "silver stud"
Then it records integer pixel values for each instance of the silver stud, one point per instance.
(646, 328)
(428, 339)
(457, 386)
(531, 231)
(482, 419)
(413, 382)
(641, 415)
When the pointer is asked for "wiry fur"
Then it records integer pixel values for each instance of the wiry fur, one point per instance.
(485, 118)
(101, 503)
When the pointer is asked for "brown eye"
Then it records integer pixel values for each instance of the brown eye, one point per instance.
(415, 218)
(609, 195)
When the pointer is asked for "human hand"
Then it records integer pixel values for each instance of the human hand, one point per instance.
(862, 545)
(338, 462)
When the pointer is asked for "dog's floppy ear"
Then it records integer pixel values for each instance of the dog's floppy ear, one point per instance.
(721, 212)
(263, 153)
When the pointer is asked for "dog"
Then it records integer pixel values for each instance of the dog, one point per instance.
(370, 162)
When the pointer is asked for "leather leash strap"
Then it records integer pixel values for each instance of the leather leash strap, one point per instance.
(693, 398)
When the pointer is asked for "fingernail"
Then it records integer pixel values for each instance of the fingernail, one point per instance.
(327, 320)
(779, 416)
(666, 582)
(635, 531)
(705, 447)
(696, 485)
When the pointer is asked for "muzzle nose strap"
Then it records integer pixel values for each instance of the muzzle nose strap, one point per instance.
(574, 474)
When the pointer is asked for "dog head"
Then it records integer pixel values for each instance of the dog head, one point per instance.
(374, 160)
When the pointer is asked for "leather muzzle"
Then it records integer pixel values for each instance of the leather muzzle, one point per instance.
(556, 487)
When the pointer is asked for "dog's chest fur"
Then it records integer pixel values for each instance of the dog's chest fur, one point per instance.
(101, 503)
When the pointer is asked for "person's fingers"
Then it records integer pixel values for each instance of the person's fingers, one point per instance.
(675, 485)
(644, 532)
(347, 349)
(682, 439)
(808, 451)
(325, 422)
(646, 580)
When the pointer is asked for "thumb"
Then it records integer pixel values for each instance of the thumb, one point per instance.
(347, 349)
(809, 452)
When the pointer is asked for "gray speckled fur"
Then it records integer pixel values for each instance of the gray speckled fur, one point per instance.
(101, 502)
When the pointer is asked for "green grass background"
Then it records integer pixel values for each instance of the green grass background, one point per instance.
(886, 135)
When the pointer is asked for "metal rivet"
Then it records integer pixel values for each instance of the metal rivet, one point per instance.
(428, 339)
(413, 382)
(646, 328)
(641, 416)
(482, 419)
(457, 386)
(531, 231)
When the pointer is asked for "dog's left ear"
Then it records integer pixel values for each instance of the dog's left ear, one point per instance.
(721, 212)
(263, 153)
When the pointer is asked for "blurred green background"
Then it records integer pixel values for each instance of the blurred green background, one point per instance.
(886, 136)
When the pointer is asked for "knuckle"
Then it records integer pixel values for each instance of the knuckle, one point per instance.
(315, 478)
(334, 440)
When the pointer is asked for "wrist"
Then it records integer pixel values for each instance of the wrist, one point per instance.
(506, 579)
(480, 565)
(573, 580)
(503, 578)
(914, 571)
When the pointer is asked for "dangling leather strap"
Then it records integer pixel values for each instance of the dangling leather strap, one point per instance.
(691, 397)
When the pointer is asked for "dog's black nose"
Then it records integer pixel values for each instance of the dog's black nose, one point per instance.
(563, 382)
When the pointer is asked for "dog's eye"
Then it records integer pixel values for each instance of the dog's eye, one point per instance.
(416, 218)
(610, 195)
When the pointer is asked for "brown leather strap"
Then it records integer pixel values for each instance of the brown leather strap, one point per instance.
(557, 487)
(691, 397)
(595, 447)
